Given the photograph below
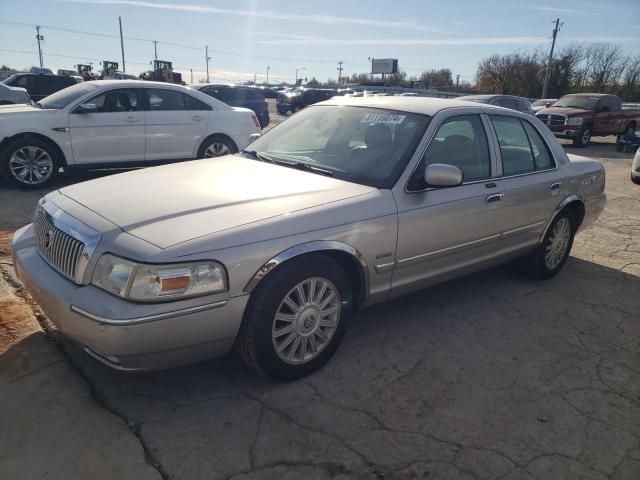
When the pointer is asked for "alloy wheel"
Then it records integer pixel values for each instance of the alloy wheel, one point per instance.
(557, 244)
(31, 165)
(306, 320)
(216, 149)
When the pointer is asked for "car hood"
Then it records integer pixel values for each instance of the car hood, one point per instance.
(565, 111)
(10, 111)
(176, 203)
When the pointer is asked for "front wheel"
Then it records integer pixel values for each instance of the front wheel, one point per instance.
(583, 138)
(296, 318)
(635, 180)
(28, 163)
(550, 256)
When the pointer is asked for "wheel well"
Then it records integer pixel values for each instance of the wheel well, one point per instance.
(350, 265)
(219, 135)
(577, 210)
(42, 138)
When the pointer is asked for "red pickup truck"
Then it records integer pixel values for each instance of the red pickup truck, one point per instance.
(579, 116)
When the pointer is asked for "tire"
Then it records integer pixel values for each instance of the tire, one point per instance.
(583, 138)
(541, 266)
(268, 311)
(631, 128)
(295, 109)
(34, 158)
(216, 146)
(635, 180)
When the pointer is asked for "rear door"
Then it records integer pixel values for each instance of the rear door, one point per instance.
(602, 118)
(533, 185)
(175, 124)
(114, 133)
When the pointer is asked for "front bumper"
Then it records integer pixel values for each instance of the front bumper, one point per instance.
(565, 131)
(150, 337)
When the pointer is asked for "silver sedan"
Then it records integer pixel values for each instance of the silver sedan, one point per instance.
(346, 204)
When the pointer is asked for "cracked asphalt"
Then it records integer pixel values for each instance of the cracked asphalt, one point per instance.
(490, 376)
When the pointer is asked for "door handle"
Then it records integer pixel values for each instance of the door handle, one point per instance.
(555, 186)
(495, 197)
(132, 119)
(196, 118)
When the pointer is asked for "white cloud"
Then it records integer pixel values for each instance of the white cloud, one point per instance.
(286, 16)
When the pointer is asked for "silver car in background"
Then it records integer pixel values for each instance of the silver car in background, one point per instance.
(348, 203)
(11, 95)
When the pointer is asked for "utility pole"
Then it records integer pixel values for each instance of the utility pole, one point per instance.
(298, 70)
(155, 49)
(124, 69)
(191, 70)
(340, 71)
(547, 77)
(268, 68)
(457, 81)
(207, 58)
(39, 37)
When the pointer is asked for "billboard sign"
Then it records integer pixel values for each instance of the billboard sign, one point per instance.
(384, 65)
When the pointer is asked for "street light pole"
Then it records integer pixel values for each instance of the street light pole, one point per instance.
(207, 58)
(298, 70)
(268, 68)
(124, 69)
(39, 37)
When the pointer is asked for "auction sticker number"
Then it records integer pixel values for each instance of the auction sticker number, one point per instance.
(383, 118)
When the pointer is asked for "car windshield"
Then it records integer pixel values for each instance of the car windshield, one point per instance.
(369, 146)
(577, 101)
(541, 103)
(9, 79)
(67, 95)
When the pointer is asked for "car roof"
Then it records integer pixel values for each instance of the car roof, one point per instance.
(491, 96)
(134, 83)
(421, 105)
(590, 94)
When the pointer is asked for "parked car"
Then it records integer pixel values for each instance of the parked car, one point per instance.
(579, 116)
(238, 96)
(40, 85)
(635, 168)
(117, 123)
(507, 101)
(300, 98)
(542, 103)
(10, 95)
(346, 204)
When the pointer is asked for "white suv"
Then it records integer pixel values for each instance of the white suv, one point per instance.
(117, 123)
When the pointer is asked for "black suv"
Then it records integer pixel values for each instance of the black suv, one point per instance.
(237, 96)
(40, 85)
(300, 98)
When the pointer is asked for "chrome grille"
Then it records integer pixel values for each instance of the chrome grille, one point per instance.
(552, 120)
(58, 248)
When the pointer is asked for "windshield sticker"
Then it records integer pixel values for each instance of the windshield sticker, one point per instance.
(383, 118)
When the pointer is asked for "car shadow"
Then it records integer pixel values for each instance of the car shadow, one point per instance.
(487, 313)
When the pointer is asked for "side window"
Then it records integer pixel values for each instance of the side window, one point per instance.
(22, 82)
(615, 104)
(120, 100)
(521, 147)
(161, 100)
(509, 103)
(523, 106)
(195, 104)
(604, 104)
(459, 141)
(541, 157)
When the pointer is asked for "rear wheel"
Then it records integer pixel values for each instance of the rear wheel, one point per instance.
(635, 180)
(550, 256)
(583, 138)
(216, 146)
(29, 163)
(296, 318)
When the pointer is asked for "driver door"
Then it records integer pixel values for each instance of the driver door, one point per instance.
(445, 230)
(113, 133)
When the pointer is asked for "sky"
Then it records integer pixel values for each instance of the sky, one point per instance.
(247, 37)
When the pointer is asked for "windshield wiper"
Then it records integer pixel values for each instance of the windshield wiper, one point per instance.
(304, 166)
(38, 104)
(258, 156)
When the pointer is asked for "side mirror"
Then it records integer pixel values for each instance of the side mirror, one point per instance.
(549, 104)
(254, 136)
(87, 108)
(443, 175)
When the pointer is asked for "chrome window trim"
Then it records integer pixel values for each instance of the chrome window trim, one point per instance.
(533, 172)
(147, 318)
(453, 113)
(76, 229)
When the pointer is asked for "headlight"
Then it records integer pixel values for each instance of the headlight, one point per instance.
(574, 121)
(152, 283)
